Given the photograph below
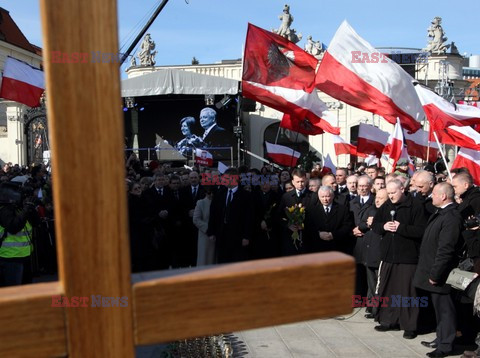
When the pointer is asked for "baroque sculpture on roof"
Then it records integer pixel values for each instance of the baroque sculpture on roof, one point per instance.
(437, 39)
(146, 54)
(284, 30)
(314, 48)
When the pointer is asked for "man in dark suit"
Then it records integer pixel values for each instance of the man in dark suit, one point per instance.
(328, 225)
(330, 180)
(359, 206)
(438, 256)
(231, 219)
(424, 182)
(214, 135)
(189, 195)
(341, 179)
(300, 195)
(157, 202)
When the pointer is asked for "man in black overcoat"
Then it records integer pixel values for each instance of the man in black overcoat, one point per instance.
(231, 219)
(438, 256)
(300, 195)
(328, 225)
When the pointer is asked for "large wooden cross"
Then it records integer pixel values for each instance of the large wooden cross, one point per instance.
(86, 128)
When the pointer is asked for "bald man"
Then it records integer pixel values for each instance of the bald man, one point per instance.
(438, 256)
(401, 223)
(424, 183)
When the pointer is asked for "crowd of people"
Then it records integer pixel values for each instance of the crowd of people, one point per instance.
(406, 232)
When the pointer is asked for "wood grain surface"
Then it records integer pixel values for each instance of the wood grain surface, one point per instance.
(87, 139)
(30, 326)
(243, 296)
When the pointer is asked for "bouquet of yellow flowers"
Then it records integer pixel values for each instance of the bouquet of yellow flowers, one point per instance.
(295, 217)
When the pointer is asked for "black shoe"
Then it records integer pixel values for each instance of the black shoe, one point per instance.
(438, 354)
(369, 315)
(382, 328)
(409, 334)
(431, 344)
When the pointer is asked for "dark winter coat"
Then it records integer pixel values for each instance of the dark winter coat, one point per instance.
(439, 250)
(360, 214)
(401, 247)
(370, 250)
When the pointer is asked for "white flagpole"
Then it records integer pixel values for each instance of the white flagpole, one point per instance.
(443, 155)
(262, 159)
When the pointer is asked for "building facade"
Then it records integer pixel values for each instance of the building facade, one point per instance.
(12, 130)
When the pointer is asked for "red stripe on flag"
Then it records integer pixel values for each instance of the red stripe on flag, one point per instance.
(341, 83)
(20, 92)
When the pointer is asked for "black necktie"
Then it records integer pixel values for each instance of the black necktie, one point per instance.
(229, 197)
(327, 210)
(361, 202)
(194, 193)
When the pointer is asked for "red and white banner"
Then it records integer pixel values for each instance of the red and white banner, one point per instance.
(395, 144)
(470, 159)
(343, 147)
(22, 83)
(462, 136)
(371, 140)
(355, 72)
(282, 155)
(281, 75)
(202, 157)
(418, 144)
(441, 113)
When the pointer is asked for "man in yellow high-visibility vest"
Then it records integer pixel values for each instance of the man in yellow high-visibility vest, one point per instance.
(15, 242)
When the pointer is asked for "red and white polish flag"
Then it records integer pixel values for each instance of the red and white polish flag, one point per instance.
(22, 83)
(281, 75)
(395, 144)
(328, 163)
(371, 140)
(470, 159)
(343, 147)
(282, 155)
(418, 144)
(377, 86)
(444, 113)
(202, 157)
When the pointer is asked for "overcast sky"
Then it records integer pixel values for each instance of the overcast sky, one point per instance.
(213, 30)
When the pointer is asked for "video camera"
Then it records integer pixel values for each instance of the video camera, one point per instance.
(12, 193)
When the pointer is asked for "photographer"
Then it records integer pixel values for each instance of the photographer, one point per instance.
(16, 222)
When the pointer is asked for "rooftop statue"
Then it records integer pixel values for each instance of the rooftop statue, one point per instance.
(284, 30)
(146, 54)
(314, 48)
(437, 37)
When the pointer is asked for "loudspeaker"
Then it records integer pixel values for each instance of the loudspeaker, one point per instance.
(248, 105)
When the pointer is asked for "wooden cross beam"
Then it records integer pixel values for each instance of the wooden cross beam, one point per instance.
(86, 129)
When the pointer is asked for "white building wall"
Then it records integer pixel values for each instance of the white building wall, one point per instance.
(12, 142)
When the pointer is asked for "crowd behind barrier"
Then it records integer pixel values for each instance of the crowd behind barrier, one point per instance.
(407, 233)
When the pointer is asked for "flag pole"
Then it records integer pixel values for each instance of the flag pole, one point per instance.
(278, 132)
(262, 159)
(443, 155)
(293, 150)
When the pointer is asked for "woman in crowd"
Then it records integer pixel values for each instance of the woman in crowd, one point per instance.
(201, 215)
